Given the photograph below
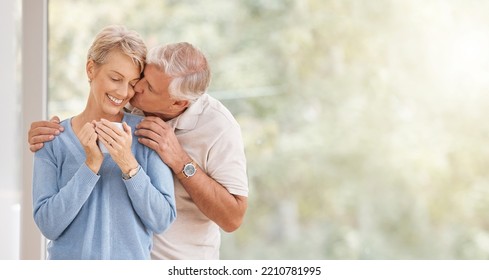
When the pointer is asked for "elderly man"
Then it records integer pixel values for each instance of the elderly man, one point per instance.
(198, 138)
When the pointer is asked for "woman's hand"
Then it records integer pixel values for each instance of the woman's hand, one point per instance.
(88, 139)
(118, 143)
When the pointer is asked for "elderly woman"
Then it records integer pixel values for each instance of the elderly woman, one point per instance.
(94, 205)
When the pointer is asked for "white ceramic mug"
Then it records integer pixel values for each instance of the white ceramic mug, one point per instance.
(102, 146)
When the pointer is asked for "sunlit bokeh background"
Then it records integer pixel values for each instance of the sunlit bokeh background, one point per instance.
(365, 122)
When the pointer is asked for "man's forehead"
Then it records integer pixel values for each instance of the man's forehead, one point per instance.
(152, 67)
(154, 70)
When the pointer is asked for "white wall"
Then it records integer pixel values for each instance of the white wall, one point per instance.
(23, 98)
(10, 160)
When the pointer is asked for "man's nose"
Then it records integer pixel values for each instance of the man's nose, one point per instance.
(138, 88)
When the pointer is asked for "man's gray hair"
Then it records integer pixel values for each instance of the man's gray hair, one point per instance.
(186, 65)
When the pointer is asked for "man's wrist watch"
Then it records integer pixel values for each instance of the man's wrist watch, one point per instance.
(131, 173)
(188, 171)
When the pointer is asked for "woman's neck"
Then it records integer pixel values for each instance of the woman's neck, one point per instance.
(87, 116)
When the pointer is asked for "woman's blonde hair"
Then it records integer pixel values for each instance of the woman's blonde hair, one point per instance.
(118, 37)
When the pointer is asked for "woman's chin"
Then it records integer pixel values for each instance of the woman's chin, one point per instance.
(113, 110)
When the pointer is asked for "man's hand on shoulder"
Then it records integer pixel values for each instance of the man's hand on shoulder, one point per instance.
(43, 131)
(156, 134)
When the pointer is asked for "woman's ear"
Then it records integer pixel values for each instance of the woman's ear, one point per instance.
(90, 68)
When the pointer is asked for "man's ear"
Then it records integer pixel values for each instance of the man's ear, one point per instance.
(90, 68)
(181, 103)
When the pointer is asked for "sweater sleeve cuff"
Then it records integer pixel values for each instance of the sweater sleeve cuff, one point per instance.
(138, 180)
(87, 175)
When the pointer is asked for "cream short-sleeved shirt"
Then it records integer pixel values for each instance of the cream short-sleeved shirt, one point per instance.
(211, 136)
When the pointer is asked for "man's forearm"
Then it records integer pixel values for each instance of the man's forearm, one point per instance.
(214, 200)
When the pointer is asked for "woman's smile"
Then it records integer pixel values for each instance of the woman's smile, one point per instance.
(114, 100)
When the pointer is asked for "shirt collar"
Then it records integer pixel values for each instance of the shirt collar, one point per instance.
(189, 118)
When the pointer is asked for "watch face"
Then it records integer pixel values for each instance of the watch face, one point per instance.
(189, 169)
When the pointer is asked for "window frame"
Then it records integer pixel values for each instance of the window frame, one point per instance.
(34, 108)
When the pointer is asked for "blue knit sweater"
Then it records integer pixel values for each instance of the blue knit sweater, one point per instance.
(100, 216)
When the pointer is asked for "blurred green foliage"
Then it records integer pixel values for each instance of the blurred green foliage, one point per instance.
(364, 121)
